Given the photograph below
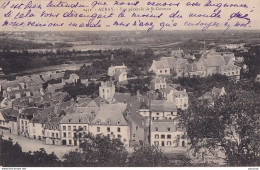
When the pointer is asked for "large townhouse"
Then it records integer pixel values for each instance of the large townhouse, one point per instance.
(158, 83)
(73, 78)
(73, 127)
(139, 126)
(177, 95)
(209, 98)
(52, 133)
(163, 110)
(160, 68)
(167, 133)
(37, 123)
(119, 73)
(8, 120)
(110, 120)
(23, 120)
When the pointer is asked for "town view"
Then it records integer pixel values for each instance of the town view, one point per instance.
(130, 99)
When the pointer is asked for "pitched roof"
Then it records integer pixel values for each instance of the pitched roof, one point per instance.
(7, 84)
(214, 60)
(43, 116)
(171, 61)
(158, 80)
(107, 84)
(7, 113)
(22, 91)
(122, 97)
(161, 64)
(98, 100)
(132, 109)
(112, 113)
(53, 122)
(163, 105)
(75, 118)
(31, 111)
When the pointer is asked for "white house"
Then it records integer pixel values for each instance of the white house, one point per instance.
(73, 127)
(167, 133)
(160, 67)
(158, 83)
(111, 121)
(163, 110)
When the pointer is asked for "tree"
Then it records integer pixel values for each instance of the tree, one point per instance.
(98, 151)
(74, 159)
(232, 124)
(42, 159)
(11, 155)
(148, 156)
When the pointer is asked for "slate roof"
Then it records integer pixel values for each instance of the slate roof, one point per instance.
(43, 116)
(75, 119)
(7, 84)
(53, 122)
(171, 61)
(22, 91)
(132, 109)
(98, 100)
(107, 84)
(161, 64)
(214, 60)
(162, 105)
(111, 113)
(31, 111)
(8, 113)
(122, 97)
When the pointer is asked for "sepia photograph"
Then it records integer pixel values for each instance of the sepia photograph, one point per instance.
(118, 85)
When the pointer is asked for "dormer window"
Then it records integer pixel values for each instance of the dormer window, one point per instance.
(118, 122)
(79, 120)
(108, 122)
(98, 122)
(69, 120)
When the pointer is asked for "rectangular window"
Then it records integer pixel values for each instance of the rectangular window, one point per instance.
(52, 134)
(48, 134)
(162, 136)
(156, 128)
(64, 134)
(133, 135)
(98, 129)
(85, 128)
(64, 127)
(69, 134)
(108, 129)
(118, 129)
(169, 143)
(136, 127)
(57, 135)
(169, 136)
(70, 142)
(69, 127)
(74, 128)
(169, 129)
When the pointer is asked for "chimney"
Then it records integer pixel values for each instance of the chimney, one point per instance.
(184, 90)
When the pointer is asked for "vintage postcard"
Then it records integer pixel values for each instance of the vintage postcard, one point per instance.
(129, 83)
